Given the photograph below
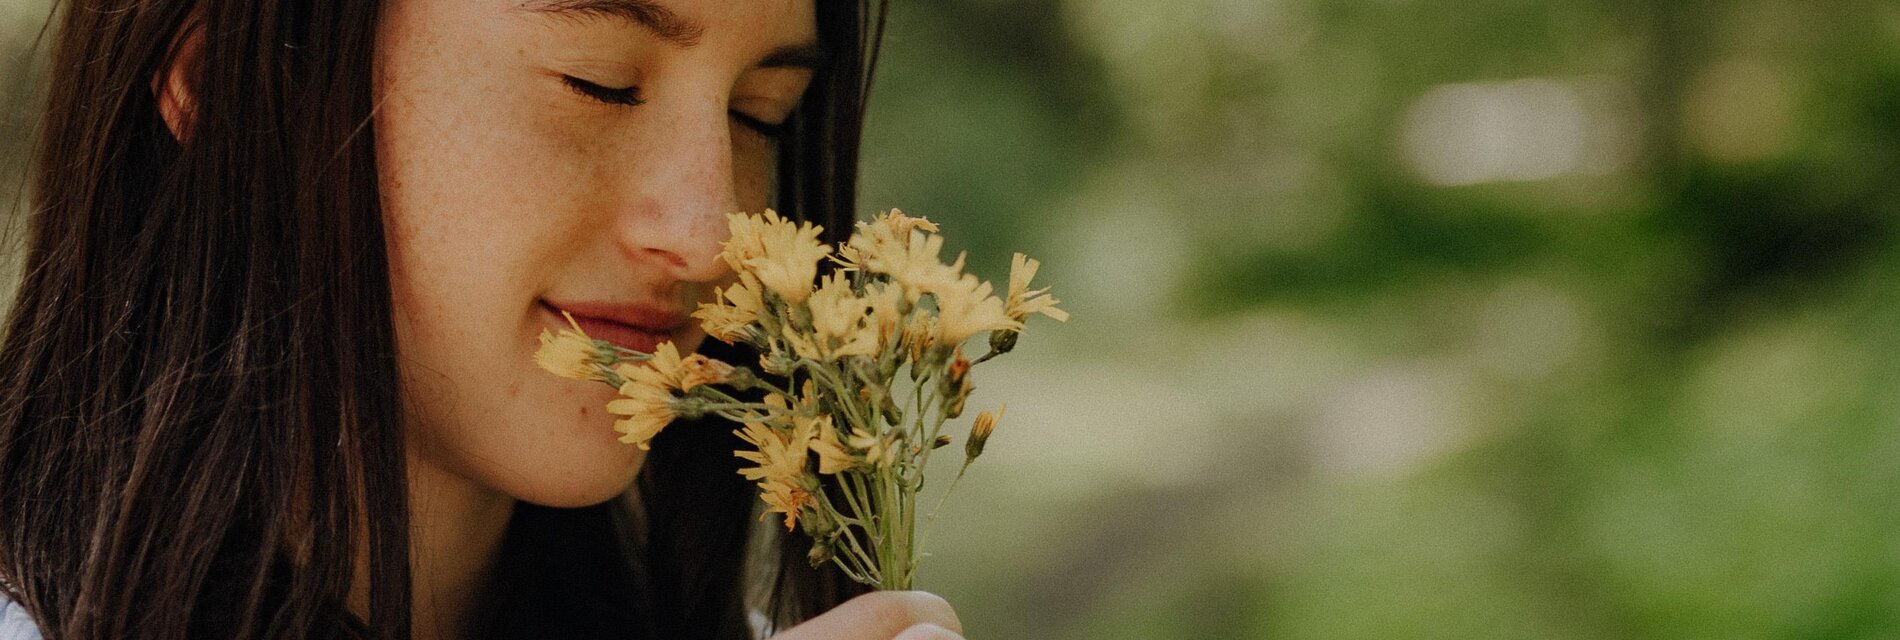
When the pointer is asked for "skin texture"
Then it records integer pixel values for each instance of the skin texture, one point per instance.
(504, 188)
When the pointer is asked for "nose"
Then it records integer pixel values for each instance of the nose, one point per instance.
(682, 188)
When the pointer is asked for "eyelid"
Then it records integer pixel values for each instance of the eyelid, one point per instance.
(618, 96)
(773, 131)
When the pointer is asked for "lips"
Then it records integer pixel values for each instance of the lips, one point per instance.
(635, 326)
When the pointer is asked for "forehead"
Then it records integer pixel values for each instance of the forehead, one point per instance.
(685, 22)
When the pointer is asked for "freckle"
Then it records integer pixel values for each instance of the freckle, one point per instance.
(514, 390)
(583, 412)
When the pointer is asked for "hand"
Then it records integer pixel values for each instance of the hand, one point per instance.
(882, 615)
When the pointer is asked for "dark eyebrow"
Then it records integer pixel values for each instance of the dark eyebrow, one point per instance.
(797, 56)
(663, 22)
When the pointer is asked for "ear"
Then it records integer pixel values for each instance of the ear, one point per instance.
(172, 85)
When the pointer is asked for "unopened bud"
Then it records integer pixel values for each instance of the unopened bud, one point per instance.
(690, 407)
(820, 553)
(742, 379)
(777, 363)
(980, 432)
(1002, 340)
(942, 441)
(955, 387)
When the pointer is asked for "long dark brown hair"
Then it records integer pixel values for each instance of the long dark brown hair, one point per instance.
(198, 390)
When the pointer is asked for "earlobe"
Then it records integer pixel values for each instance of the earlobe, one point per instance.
(172, 86)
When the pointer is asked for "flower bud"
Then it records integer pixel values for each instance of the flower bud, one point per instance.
(1003, 340)
(820, 553)
(690, 407)
(980, 432)
(955, 387)
(777, 363)
(742, 379)
(942, 441)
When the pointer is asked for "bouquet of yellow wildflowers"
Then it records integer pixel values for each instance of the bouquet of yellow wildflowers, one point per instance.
(860, 374)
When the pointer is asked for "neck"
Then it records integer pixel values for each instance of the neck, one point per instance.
(456, 528)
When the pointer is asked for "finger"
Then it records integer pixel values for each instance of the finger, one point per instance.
(876, 616)
(928, 631)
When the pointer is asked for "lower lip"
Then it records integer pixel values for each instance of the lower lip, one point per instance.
(617, 333)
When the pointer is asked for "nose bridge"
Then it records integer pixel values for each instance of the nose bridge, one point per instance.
(683, 189)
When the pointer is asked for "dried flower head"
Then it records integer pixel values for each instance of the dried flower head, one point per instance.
(697, 369)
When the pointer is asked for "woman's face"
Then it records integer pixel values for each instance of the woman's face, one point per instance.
(546, 155)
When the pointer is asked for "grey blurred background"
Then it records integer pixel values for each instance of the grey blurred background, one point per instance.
(1564, 319)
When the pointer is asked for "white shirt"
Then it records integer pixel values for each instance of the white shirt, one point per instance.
(15, 624)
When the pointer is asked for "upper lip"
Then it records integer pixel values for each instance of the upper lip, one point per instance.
(645, 317)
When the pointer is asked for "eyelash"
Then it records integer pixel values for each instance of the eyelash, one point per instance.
(630, 97)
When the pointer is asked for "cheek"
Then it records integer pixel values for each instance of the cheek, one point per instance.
(476, 228)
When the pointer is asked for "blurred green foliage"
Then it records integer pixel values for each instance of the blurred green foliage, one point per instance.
(1647, 400)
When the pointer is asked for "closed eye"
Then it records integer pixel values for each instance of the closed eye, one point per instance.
(627, 97)
(773, 131)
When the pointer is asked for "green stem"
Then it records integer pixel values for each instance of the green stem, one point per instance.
(930, 520)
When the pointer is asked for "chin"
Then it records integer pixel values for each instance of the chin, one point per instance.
(575, 483)
(561, 463)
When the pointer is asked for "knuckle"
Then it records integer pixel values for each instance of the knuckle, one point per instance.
(926, 607)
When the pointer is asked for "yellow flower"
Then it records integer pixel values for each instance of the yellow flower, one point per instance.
(907, 255)
(782, 254)
(838, 324)
(747, 237)
(776, 455)
(901, 224)
(833, 457)
(647, 408)
(966, 307)
(646, 397)
(779, 455)
(920, 334)
(733, 310)
(787, 498)
(887, 309)
(664, 370)
(1022, 301)
(570, 354)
